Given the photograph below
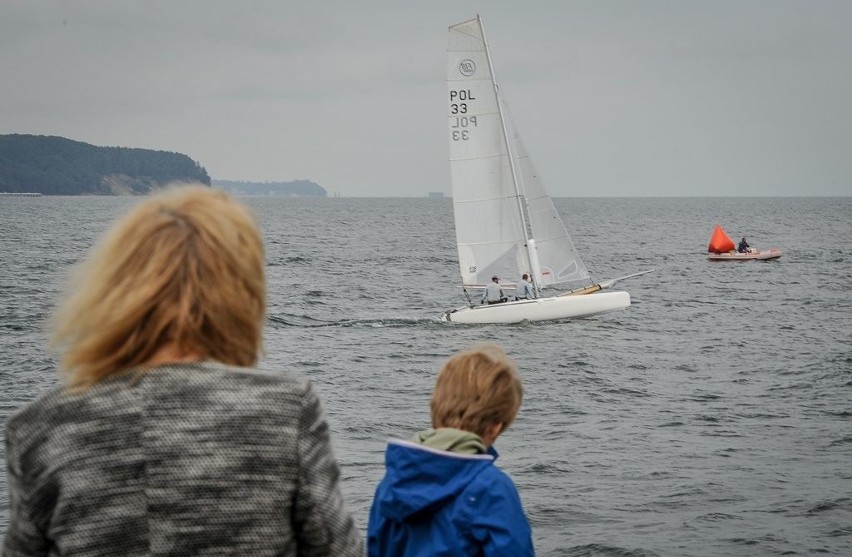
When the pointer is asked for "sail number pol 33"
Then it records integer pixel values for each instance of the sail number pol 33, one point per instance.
(459, 106)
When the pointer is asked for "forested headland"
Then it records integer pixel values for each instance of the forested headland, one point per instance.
(58, 166)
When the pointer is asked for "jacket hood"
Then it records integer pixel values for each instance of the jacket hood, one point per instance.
(420, 478)
(452, 440)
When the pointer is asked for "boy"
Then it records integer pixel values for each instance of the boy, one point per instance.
(442, 494)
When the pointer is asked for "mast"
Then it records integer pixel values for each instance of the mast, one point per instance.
(532, 259)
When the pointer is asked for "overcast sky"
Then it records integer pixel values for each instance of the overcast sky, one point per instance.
(612, 98)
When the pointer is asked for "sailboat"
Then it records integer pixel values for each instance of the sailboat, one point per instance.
(506, 224)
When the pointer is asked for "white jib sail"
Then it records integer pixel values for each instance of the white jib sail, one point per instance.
(558, 258)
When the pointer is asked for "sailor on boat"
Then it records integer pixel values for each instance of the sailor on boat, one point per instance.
(493, 292)
(743, 247)
(525, 290)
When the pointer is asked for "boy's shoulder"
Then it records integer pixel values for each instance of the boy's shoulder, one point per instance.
(492, 484)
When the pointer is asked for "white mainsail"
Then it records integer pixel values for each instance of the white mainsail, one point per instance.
(499, 202)
(489, 230)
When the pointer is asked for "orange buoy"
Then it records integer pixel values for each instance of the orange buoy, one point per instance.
(719, 242)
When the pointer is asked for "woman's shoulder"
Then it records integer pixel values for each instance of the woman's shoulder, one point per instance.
(61, 406)
(33, 410)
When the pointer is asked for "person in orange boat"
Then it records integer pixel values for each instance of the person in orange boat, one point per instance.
(743, 247)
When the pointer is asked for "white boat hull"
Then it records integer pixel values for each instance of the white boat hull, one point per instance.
(773, 253)
(540, 309)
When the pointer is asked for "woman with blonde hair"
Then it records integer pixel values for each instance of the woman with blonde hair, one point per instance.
(161, 440)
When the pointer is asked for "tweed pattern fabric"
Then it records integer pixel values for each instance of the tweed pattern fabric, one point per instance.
(190, 459)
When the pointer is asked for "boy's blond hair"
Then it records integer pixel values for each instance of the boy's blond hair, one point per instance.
(183, 267)
(477, 389)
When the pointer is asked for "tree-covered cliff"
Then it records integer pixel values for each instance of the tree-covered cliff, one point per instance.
(58, 166)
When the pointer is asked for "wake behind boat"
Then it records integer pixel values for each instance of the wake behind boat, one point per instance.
(506, 224)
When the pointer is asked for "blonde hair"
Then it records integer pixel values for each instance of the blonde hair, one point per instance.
(183, 267)
(477, 389)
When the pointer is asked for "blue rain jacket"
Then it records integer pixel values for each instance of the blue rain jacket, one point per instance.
(438, 503)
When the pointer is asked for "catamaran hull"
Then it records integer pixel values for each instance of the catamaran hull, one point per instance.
(540, 309)
(773, 253)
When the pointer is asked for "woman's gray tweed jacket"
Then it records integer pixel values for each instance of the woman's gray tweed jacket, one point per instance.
(190, 459)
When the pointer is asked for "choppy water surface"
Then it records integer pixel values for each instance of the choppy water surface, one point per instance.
(713, 417)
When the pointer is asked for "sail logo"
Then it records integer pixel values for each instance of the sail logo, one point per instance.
(467, 67)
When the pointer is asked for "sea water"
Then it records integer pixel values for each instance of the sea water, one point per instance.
(712, 417)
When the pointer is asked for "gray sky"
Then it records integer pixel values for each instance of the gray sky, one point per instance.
(612, 98)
